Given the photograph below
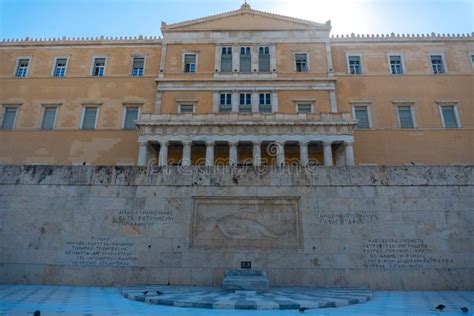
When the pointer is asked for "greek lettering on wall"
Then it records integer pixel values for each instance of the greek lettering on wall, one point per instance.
(142, 218)
(348, 218)
(387, 254)
(101, 251)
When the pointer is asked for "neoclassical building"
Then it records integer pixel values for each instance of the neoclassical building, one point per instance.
(242, 87)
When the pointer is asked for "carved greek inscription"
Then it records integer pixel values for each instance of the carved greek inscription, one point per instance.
(348, 218)
(142, 218)
(101, 251)
(387, 254)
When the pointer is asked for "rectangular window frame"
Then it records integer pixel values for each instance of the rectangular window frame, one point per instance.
(402, 63)
(471, 59)
(227, 101)
(226, 47)
(456, 114)
(183, 62)
(55, 60)
(49, 106)
(246, 104)
(93, 65)
(83, 112)
(307, 61)
(369, 113)
(443, 59)
(265, 104)
(132, 60)
(264, 47)
(361, 61)
(413, 115)
(298, 103)
(4, 111)
(180, 104)
(17, 64)
(247, 57)
(124, 113)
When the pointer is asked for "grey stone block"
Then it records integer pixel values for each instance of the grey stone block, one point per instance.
(239, 280)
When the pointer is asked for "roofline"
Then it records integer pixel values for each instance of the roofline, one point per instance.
(245, 8)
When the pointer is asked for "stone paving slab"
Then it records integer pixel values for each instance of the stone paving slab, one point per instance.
(275, 298)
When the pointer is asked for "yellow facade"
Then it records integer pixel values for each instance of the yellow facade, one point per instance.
(165, 85)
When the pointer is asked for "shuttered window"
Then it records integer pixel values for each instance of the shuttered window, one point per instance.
(362, 115)
(226, 59)
(265, 102)
(99, 67)
(190, 63)
(90, 115)
(60, 67)
(138, 66)
(245, 104)
(131, 114)
(437, 64)
(354, 65)
(49, 118)
(9, 118)
(264, 59)
(301, 62)
(396, 66)
(225, 103)
(405, 117)
(245, 59)
(449, 116)
(22, 69)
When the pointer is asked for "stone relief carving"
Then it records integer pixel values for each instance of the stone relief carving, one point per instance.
(234, 222)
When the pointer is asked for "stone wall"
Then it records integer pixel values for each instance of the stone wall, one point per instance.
(377, 227)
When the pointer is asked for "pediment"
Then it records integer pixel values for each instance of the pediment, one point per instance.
(244, 19)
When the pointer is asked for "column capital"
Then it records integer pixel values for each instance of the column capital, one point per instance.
(233, 142)
(186, 142)
(256, 142)
(303, 142)
(164, 142)
(348, 143)
(210, 142)
(327, 142)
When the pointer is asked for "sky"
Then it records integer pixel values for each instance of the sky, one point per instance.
(78, 18)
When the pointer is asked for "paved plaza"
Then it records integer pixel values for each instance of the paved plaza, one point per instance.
(72, 300)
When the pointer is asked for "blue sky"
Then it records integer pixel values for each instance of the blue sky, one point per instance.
(55, 18)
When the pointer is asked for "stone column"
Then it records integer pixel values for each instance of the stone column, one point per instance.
(235, 101)
(255, 101)
(349, 153)
(327, 146)
(210, 153)
(280, 153)
(333, 100)
(186, 161)
(233, 152)
(304, 153)
(257, 155)
(163, 153)
(142, 154)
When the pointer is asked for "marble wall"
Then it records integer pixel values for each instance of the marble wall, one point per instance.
(378, 227)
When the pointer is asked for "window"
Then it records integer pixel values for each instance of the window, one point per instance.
(301, 62)
(245, 104)
(186, 108)
(138, 66)
(396, 66)
(472, 60)
(264, 59)
(190, 63)
(89, 119)
(226, 59)
(405, 117)
(9, 117)
(265, 102)
(60, 67)
(49, 117)
(437, 64)
(449, 116)
(98, 69)
(225, 104)
(245, 59)
(304, 108)
(131, 114)
(361, 113)
(354, 65)
(22, 68)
